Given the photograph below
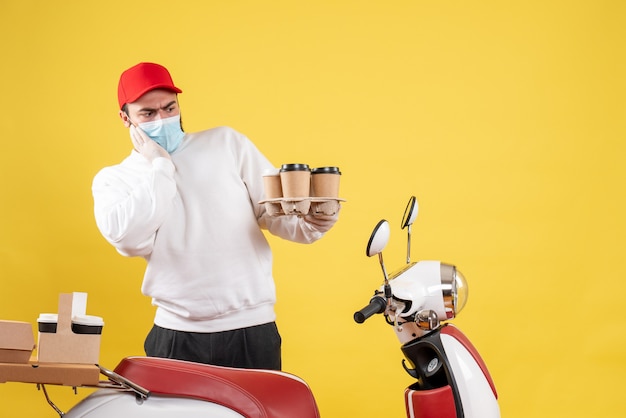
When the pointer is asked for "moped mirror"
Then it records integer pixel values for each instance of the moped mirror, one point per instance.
(410, 213)
(378, 241)
(379, 238)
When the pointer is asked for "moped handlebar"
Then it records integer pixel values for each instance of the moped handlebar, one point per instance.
(377, 305)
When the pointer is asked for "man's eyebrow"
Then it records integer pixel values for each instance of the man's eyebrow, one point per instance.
(173, 102)
(149, 109)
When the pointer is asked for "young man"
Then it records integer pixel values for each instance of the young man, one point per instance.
(188, 204)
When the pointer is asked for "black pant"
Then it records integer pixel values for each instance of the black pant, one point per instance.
(256, 347)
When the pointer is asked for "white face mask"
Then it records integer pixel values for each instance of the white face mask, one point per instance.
(165, 132)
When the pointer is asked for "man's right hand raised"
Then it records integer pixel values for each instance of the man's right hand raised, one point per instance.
(144, 145)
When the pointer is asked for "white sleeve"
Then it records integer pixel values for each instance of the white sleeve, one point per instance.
(131, 204)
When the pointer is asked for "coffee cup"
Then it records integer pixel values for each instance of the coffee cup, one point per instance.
(295, 180)
(87, 324)
(272, 184)
(47, 322)
(325, 182)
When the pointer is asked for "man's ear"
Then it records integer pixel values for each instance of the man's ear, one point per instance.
(125, 119)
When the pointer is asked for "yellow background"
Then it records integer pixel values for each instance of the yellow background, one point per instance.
(505, 119)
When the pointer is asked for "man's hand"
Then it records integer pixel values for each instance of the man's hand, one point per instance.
(321, 223)
(146, 146)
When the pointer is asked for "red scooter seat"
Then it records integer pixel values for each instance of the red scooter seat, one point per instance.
(251, 392)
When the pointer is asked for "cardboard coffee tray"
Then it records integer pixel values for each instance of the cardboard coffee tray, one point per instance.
(299, 206)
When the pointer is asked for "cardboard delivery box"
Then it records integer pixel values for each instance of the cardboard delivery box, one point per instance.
(51, 373)
(16, 341)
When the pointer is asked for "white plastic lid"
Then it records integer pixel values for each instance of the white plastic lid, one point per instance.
(48, 318)
(94, 321)
(271, 172)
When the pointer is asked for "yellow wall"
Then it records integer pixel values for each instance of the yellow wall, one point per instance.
(505, 119)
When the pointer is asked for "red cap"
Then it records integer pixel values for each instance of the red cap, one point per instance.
(140, 79)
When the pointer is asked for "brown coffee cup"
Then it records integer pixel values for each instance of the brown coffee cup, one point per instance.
(295, 180)
(272, 184)
(325, 182)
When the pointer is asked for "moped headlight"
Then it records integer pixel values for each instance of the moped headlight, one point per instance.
(454, 290)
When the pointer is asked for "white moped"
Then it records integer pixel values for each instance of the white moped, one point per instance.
(451, 379)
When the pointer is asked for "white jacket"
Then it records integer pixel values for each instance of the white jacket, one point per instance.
(197, 222)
